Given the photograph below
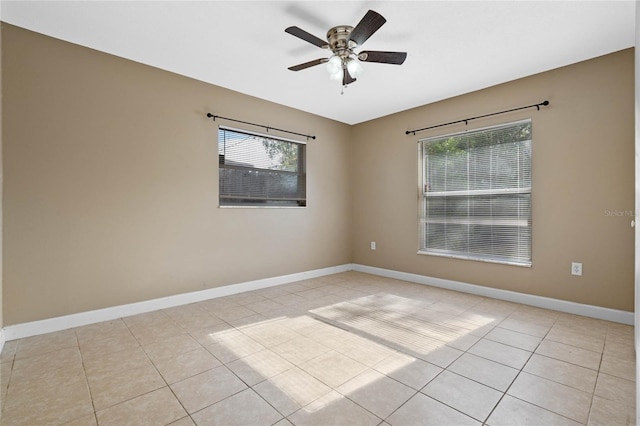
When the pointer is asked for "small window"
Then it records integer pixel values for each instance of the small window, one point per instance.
(476, 194)
(260, 171)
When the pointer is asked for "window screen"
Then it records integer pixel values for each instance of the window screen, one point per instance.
(476, 194)
(256, 170)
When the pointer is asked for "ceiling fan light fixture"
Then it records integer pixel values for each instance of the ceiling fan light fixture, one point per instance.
(354, 67)
(334, 65)
(336, 76)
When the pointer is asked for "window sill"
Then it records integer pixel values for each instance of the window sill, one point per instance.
(262, 207)
(476, 258)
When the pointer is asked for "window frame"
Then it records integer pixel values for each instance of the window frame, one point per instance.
(421, 202)
(302, 163)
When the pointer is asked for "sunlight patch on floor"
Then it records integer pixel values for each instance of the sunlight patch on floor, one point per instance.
(365, 330)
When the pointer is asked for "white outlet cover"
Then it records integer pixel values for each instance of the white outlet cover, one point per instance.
(576, 268)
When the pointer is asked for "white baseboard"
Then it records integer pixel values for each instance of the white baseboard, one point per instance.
(592, 311)
(19, 331)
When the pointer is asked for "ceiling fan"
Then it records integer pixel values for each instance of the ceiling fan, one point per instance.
(344, 64)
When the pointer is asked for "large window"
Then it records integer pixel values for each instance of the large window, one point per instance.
(476, 194)
(257, 170)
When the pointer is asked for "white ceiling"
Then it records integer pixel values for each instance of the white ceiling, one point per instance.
(454, 47)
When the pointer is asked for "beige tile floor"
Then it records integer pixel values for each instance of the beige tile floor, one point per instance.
(347, 349)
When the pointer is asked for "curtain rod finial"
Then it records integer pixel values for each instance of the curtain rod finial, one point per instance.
(209, 115)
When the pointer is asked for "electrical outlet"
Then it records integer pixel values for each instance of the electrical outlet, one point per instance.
(373, 245)
(576, 268)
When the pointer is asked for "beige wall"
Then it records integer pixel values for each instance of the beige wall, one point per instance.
(111, 185)
(583, 165)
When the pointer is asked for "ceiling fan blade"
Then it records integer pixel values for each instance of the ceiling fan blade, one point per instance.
(396, 58)
(302, 34)
(308, 64)
(346, 78)
(368, 25)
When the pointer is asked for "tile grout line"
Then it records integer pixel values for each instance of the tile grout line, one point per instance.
(86, 378)
(222, 364)
(144, 393)
(543, 408)
(595, 385)
(517, 375)
(188, 414)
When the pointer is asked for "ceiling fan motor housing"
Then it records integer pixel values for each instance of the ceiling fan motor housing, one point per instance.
(339, 43)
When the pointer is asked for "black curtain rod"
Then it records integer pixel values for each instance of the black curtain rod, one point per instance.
(259, 125)
(466, 120)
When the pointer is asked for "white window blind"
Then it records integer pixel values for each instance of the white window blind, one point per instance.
(476, 194)
(257, 170)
